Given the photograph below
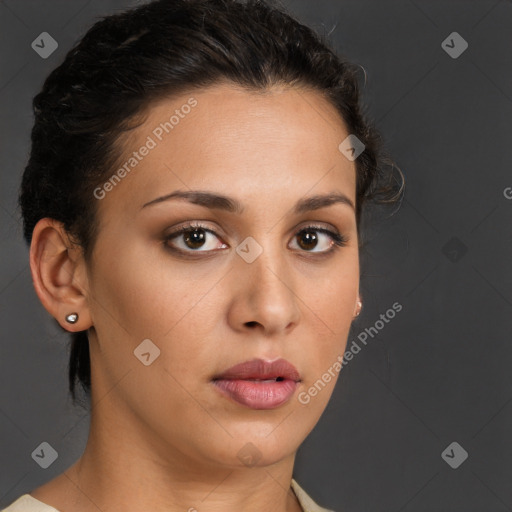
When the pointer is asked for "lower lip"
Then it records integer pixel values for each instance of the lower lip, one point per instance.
(257, 394)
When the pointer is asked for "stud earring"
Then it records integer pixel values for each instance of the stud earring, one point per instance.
(359, 306)
(72, 318)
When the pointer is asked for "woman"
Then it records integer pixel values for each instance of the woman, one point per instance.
(192, 203)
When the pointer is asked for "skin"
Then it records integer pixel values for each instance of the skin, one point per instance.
(162, 437)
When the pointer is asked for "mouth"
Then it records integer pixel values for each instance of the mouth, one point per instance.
(259, 384)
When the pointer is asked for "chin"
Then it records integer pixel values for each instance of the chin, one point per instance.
(258, 450)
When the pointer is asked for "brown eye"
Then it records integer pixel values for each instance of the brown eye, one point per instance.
(308, 239)
(192, 238)
(200, 239)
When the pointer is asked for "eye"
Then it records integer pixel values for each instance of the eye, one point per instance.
(195, 236)
(308, 238)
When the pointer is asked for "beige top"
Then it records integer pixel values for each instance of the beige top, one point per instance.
(27, 503)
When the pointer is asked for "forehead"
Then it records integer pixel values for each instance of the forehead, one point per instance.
(238, 142)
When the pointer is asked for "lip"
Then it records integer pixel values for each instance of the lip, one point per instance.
(253, 383)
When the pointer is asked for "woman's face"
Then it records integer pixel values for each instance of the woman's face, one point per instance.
(245, 285)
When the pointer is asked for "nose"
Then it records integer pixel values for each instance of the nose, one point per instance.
(265, 294)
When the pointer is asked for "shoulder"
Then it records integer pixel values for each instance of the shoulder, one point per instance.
(306, 502)
(27, 503)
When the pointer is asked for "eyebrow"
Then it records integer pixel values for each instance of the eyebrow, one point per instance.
(220, 202)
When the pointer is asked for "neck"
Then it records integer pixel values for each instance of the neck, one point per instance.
(125, 467)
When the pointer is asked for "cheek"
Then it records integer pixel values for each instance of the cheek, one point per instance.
(331, 296)
(133, 303)
(134, 293)
(331, 304)
(160, 301)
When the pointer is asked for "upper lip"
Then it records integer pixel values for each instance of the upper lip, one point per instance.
(262, 370)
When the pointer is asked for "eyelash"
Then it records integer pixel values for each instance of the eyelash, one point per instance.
(338, 239)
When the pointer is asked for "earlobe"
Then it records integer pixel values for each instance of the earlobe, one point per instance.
(358, 307)
(58, 275)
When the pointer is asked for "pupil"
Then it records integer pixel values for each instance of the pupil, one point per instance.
(307, 236)
(194, 237)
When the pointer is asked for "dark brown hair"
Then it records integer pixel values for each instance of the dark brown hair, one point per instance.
(129, 60)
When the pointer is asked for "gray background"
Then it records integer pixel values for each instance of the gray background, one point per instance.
(436, 373)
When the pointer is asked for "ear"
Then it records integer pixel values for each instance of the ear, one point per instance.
(59, 274)
(358, 305)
